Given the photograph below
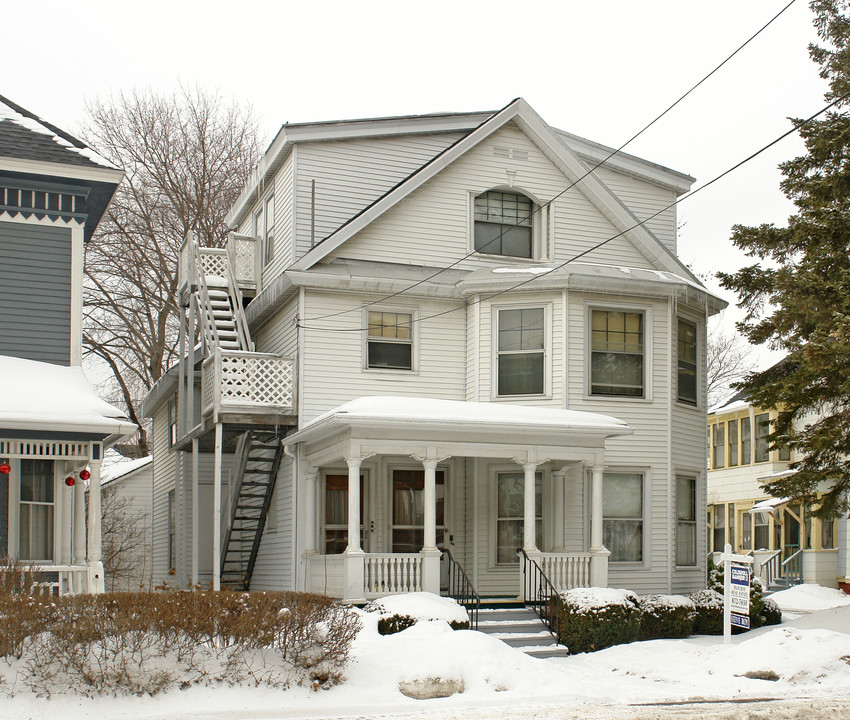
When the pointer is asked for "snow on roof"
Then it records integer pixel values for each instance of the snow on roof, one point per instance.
(66, 148)
(42, 396)
(729, 407)
(429, 410)
(768, 505)
(121, 468)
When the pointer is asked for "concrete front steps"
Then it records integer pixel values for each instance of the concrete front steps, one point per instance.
(520, 628)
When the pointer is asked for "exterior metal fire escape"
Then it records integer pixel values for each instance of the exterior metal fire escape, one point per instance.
(242, 402)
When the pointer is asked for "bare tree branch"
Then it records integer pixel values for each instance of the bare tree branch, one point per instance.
(729, 360)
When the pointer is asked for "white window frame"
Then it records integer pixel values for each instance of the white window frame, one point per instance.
(14, 512)
(646, 311)
(495, 311)
(646, 546)
(388, 502)
(493, 472)
(268, 229)
(414, 338)
(695, 478)
(541, 222)
(698, 345)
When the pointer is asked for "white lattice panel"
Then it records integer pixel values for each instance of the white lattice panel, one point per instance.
(213, 262)
(256, 379)
(208, 385)
(244, 252)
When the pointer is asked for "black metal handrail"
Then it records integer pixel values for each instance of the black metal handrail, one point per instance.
(540, 594)
(462, 589)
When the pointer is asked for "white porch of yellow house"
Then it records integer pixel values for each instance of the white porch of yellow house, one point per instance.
(430, 432)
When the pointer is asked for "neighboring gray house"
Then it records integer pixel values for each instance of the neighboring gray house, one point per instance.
(53, 192)
(455, 337)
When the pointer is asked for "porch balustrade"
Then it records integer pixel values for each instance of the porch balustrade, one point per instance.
(566, 570)
(68, 580)
(391, 573)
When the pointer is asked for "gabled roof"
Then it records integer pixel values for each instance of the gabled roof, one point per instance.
(521, 113)
(25, 136)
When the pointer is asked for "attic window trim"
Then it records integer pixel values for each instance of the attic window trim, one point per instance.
(527, 208)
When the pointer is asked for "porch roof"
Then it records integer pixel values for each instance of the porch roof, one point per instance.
(40, 396)
(451, 427)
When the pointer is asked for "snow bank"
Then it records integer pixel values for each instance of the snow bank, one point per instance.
(810, 597)
(421, 606)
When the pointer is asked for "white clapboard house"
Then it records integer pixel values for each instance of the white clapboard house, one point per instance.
(437, 347)
(53, 192)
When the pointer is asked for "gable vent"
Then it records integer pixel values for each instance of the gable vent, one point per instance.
(510, 153)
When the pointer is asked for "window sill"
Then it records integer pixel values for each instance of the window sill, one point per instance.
(508, 258)
(617, 399)
(508, 398)
(389, 371)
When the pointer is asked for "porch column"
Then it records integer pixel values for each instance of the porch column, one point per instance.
(355, 559)
(529, 524)
(311, 477)
(430, 554)
(216, 559)
(558, 479)
(79, 522)
(599, 554)
(93, 559)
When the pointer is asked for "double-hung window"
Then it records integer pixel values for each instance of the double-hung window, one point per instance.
(504, 224)
(622, 516)
(35, 538)
(617, 353)
(268, 239)
(733, 443)
(687, 355)
(762, 431)
(521, 352)
(510, 514)
(719, 441)
(389, 342)
(686, 520)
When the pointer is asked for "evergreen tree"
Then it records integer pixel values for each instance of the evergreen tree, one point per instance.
(797, 298)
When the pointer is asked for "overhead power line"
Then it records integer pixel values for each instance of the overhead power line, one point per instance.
(598, 245)
(571, 185)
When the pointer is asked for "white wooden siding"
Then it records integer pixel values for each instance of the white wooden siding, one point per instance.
(163, 483)
(283, 220)
(432, 225)
(134, 492)
(352, 174)
(333, 353)
(274, 569)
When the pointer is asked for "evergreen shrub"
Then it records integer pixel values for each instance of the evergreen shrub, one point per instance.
(596, 618)
(666, 616)
(709, 612)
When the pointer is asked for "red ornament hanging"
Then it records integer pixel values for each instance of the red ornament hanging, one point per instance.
(5, 469)
(84, 474)
(69, 481)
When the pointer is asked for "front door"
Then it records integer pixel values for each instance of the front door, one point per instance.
(336, 514)
(408, 506)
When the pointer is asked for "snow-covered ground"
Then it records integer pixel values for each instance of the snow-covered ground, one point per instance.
(805, 663)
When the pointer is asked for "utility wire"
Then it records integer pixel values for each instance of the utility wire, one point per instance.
(676, 202)
(566, 189)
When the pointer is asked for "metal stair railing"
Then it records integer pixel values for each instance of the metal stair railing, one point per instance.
(540, 594)
(462, 589)
(792, 568)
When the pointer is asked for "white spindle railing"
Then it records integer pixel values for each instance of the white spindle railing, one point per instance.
(70, 580)
(391, 573)
(326, 575)
(566, 570)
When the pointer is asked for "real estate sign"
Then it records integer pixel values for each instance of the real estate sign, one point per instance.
(739, 595)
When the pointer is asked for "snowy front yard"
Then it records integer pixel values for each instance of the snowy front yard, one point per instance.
(807, 656)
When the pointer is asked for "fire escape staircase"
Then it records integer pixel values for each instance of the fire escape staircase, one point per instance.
(257, 461)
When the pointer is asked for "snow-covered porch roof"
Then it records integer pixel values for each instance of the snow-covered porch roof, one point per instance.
(38, 397)
(449, 428)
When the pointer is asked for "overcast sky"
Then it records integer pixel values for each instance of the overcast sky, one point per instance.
(600, 70)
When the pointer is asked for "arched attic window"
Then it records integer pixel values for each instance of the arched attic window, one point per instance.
(504, 224)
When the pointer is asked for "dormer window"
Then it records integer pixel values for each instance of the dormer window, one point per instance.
(503, 224)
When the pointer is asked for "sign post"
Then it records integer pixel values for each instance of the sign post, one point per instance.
(736, 591)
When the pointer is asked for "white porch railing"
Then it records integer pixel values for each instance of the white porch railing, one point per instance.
(391, 573)
(247, 380)
(326, 575)
(566, 570)
(69, 580)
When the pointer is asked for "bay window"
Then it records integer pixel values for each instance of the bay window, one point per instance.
(622, 516)
(617, 353)
(521, 352)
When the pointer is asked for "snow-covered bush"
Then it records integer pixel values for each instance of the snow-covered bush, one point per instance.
(666, 616)
(709, 612)
(399, 612)
(771, 613)
(596, 618)
(142, 643)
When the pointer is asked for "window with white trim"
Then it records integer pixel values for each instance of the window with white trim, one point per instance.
(521, 352)
(504, 224)
(622, 515)
(389, 341)
(687, 359)
(268, 235)
(617, 353)
(686, 520)
(36, 503)
(510, 514)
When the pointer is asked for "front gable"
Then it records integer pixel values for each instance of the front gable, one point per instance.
(514, 144)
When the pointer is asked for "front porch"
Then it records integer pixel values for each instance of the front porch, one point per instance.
(390, 484)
